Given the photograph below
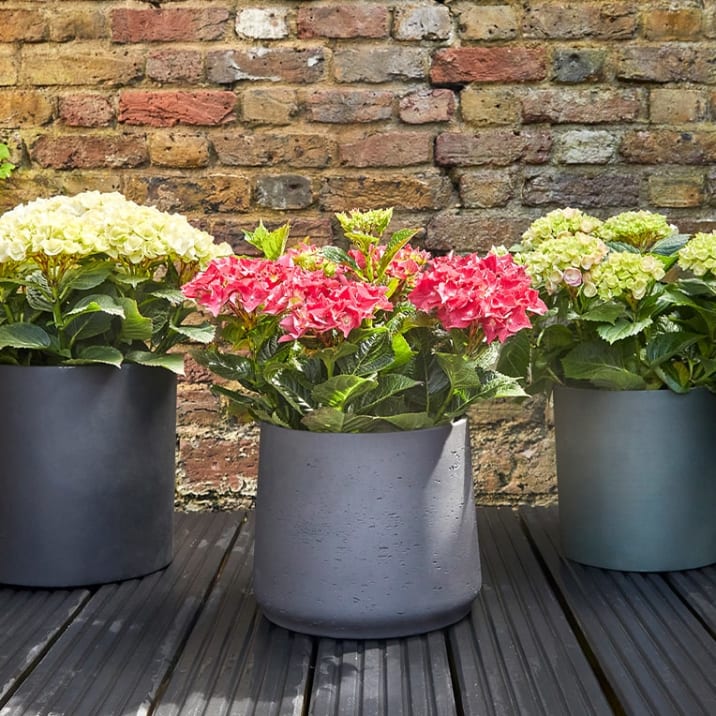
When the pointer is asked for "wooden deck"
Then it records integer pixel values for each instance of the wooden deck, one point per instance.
(545, 637)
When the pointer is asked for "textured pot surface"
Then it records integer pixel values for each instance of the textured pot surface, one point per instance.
(87, 473)
(365, 535)
(636, 475)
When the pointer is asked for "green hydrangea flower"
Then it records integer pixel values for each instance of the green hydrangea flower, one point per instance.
(557, 223)
(699, 254)
(624, 273)
(641, 229)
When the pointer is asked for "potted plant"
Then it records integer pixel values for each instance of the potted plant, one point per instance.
(91, 316)
(360, 365)
(628, 347)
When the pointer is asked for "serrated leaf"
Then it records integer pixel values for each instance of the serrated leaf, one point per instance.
(397, 241)
(340, 390)
(670, 245)
(135, 326)
(389, 385)
(97, 303)
(515, 355)
(623, 329)
(203, 333)
(225, 365)
(604, 312)
(410, 421)
(591, 362)
(86, 278)
(332, 420)
(23, 335)
(98, 354)
(172, 295)
(666, 345)
(372, 353)
(171, 361)
(460, 372)
(272, 244)
(339, 256)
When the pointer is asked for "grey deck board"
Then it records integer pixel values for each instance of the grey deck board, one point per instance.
(655, 653)
(517, 652)
(545, 637)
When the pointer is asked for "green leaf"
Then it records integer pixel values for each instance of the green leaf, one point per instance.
(85, 278)
(410, 421)
(607, 312)
(95, 303)
(171, 361)
(332, 420)
(97, 354)
(225, 365)
(172, 295)
(397, 241)
(373, 353)
(340, 390)
(272, 244)
(389, 385)
(669, 245)
(23, 335)
(664, 346)
(593, 362)
(623, 328)
(135, 326)
(203, 333)
(294, 389)
(460, 371)
(339, 256)
(515, 355)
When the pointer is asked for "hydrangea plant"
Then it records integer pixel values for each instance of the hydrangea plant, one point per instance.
(95, 278)
(631, 304)
(381, 336)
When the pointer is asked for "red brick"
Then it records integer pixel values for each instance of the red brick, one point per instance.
(253, 149)
(348, 106)
(18, 25)
(297, 65)
(343, 21)
(669, 147)
(387, 149)
(588, 106)
(174, 149)
(489, 64)
(166, 109)
(86, 110)
(603, 20)
(197, 406)
(427, 106)
(217, 462)
(473, 231)
(25, 108)
(428, 190)
(170, 24)
(683, 24)
(173, 65)
(497, 147)
(89, 151)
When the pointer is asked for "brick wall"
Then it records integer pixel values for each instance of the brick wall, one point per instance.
(471, 118)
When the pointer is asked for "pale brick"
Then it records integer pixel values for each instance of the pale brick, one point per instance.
(253, 149)
(665, 25)
(280, 64)
(166, 109)
(427, 106)
(488, 105)
(473, 231)
(674, 106)
(486, 22)
(380, 64)
(422, 22)
(22, 25)
(583, 190)
(347, 106)
(677, 192)
(269, 106)
(81, 23)
(25, 108)
(175, 149)
(607, 21)
(8, 67)
(284, 191)
(261, 23)
(586, 146)
(387, 149)
(497, 147)
(486, 189)
(174, 65)
(577, 105)
(86, 110)
(669, 147)
(489, 64)
(343, 21)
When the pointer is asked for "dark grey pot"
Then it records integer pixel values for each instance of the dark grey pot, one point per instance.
(365, 535)
(636, 474)
(87, 473)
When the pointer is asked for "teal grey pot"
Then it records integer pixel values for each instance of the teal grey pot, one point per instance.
(87, 473)
(365, 536)
(636, 474)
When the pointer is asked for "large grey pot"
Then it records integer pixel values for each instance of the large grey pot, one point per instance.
(86, 473)
(365, 535)
(636, 475)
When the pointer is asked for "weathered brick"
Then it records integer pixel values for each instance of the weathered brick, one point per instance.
(173, 65)
(680, 24)
(166, 109)
(578, 65)
(343, 21)
(422, 22)
(279, 64)
(387, 149)
(168, 24)
(65, 64)
(284, 191)
(603, 20)
(663, 146)
(582, 190)
(269, 105)
(661, 63)
(380, 64)
(23, 25)
(490, 105)
(25, 108)
(497, 147)
(89, 151)
(586, 146)
(486, 22)
(676, 191)
(256, 23)
(210, 461)
(176, 149)
(576, 105)
(208, 194)
(473, 231)
(8, 67)
(81, 23)
(86, 110)
(198, 407)
(347, 106)
(489, 64)
(674, 106)
(486, 189)
(78, 181)
(427, 106)
(26, 185)
(429, 190)
(257, 150)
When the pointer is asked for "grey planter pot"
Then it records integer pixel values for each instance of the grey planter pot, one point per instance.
(636, 475)
(87, 473)
(365, 535)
